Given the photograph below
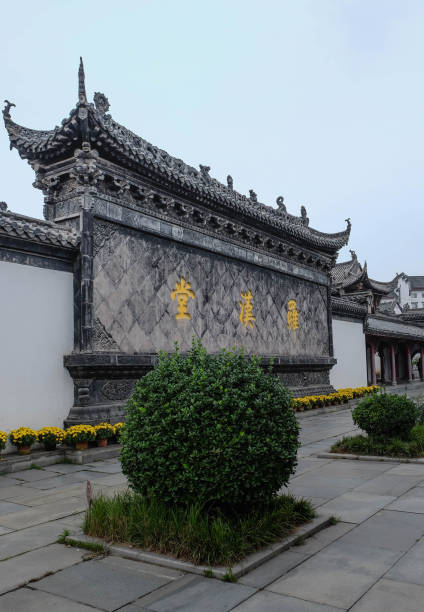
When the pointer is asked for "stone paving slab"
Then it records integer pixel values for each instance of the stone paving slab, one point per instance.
(60, 480)
(273, 569)
(16, 492)
(31, 475)
(272, 602)
(412, 501)
(391, 596)
(322, 539)
(355, 507)
(396, 531)
(107, 583)
(8, 507)
(27, 599)
(7, 481)
(41, 514)
(194, 593)
(18, 571)
(389, 484)
(65, 468)
(410, 568)
(17, 542)
(337, 576)
(38, 498)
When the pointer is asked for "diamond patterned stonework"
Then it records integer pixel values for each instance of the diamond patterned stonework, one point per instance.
(135, 274)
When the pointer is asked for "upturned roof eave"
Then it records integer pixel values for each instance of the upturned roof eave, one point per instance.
(46, 146)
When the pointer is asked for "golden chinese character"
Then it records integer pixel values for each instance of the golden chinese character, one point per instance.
(246, 309)
(293, 315)
(182, 293)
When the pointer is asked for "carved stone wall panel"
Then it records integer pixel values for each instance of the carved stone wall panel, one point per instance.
(135, 274)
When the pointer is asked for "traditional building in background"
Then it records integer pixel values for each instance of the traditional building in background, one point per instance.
(374, 339)
(161, 253)
(410, 291)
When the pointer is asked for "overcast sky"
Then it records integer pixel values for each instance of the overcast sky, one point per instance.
(320, 101)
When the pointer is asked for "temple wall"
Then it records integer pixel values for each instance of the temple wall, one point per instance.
(349, 350)
(36, 323)
(135, 275)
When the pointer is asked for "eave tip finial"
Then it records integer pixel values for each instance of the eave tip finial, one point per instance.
(7, 106)
(82, 96)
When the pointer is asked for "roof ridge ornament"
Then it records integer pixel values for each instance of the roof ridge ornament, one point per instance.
(82, 96)
(101, 102)
(281, 206)
(6, 110)
(252, 195)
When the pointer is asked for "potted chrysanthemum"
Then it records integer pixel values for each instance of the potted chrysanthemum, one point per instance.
(118, 428)
(80, 435)
(50, 437)
(3, 440)
(23, 438)
(104, 431)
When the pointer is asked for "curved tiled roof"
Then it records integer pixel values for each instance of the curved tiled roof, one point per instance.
(350, 272)
(346, 306)
(36, 230)
(90, 123)
(381, 325)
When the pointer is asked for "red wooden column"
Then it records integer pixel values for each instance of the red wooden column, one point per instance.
(394, 381)
(372, 355)
(408, 359)
(422, 364)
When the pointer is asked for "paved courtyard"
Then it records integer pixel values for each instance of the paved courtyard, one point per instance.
(372, 560)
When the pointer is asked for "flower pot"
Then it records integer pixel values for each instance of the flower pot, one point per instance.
(50, 447)
(24, 449)
(102, 443)
(81, 445)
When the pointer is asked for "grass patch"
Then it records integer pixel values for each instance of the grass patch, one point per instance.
(192, 533)
(388, 447)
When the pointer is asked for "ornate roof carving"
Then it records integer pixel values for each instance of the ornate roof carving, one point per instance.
(90, 123)
(36, 230)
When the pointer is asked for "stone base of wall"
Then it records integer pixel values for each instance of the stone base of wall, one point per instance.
(103, 382)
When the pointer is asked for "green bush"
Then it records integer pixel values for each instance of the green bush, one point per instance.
(417, 436)
(420, 407)
(210, 429)
(385, 415)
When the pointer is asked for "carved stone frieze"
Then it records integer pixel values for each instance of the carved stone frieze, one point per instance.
(102, 340)
(101, 235)
(85, 169)
(117, 389)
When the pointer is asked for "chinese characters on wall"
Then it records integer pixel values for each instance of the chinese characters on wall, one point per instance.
(183, 292)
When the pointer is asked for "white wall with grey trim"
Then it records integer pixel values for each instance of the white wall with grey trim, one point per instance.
(349, 350)
(36, 330)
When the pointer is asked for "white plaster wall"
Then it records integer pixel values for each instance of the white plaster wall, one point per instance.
(349, 350)
(36, 330)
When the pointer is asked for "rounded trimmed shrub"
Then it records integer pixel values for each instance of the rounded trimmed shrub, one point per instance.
(214, 429)
(386, 415)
